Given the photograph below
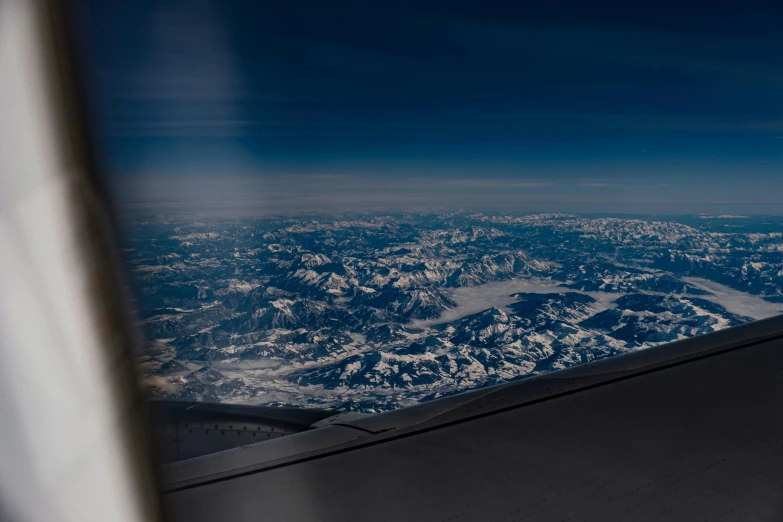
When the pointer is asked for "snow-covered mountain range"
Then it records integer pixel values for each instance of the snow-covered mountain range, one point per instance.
(375, 312)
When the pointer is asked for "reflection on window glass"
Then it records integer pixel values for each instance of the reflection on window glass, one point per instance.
(364, 207)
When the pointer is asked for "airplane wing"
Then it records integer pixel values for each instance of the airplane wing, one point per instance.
(692, 430)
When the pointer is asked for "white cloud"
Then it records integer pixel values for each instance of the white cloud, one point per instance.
(597, 184)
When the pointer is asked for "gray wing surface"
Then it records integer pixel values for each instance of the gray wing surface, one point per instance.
(687, 431)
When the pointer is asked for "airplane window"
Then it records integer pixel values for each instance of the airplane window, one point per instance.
(364, 206)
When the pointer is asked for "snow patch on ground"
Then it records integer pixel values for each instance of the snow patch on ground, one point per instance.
(734, 301)
(498, 294)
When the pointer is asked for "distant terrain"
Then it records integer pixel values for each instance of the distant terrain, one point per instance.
(370, 313)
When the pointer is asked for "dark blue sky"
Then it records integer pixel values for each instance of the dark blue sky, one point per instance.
(613, 106)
